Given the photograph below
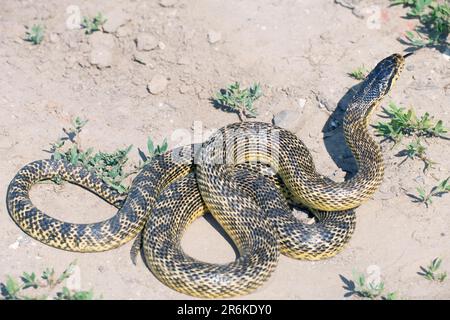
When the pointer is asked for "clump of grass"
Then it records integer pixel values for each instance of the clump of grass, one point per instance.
(359, 73)
(434, 18)
(437, 191)
(240, 100)
(36, 34)
(361, 287)
(93, 24)
(109, 166)
(431, 272)
(406, 123)
(42, 286)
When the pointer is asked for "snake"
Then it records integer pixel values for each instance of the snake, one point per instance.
(241, 175)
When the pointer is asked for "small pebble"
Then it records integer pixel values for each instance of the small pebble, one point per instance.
(158, 84)
(183, 61)
(54, 38)
(287, 119)
(214, 37)
(101, 57)
(74, 280)
(143, 58)
(161, 45)
(167, 3)
(146, 42)
(115, 19)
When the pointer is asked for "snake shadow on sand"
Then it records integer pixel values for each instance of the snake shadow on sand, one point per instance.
(333, 136)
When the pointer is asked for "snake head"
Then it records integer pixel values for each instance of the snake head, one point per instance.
(381, 79)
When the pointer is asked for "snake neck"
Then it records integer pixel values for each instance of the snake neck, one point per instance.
(365, 149)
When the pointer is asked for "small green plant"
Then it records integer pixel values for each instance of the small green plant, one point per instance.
(240, 100)
(36, 34)
(431, 272)
(154, 151)
(359, 73)
(43, 286)
(434, 18)
(437, 191)
(109, 166)
(406, 123)
(94, 24)
(363, 288)
(417, 150)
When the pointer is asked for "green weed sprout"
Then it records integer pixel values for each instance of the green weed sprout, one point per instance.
(109, 166)
(36, 34)
(405, 123)
(240, 100)
(361, 287)
(437, 191)
(434, 18)
(359, 73)
(431, 272)
(417, 150)
(42, 286)
(94, 24)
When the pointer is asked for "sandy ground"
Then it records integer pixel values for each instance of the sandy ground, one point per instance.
(297, 50)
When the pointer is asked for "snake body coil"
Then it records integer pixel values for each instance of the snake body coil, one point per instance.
(226, 177)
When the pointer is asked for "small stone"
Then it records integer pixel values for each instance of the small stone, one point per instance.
(146, 42)
(54, 38)
(287, 119)
(410, 67)
(167, 3)
(101, 49)
(74, 280)
(99, 39)
(72, 44)
(123, 31)
(301, 103)
(161, 45)
(143, 58)
(184, 89)
(183, 61)
(214, 37)
(114, 20)
(324, 102)
(101, 57)
(158, 84)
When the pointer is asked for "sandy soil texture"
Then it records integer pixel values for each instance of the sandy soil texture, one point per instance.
(300, 52)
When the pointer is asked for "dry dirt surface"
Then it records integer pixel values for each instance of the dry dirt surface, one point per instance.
(299, 51)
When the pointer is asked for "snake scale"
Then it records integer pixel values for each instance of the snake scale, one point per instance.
(242, 175)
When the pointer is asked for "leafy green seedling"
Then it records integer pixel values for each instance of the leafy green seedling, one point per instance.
(359, 73)
(94, 24)
(434, 18)
(367, 289)
(437, 191)
(109, 166)
(363, 288)
(159, 149)
(417, 150)
(36, 34)
(15, 289)
(405, 123)
(431, 272)
(240, 100)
